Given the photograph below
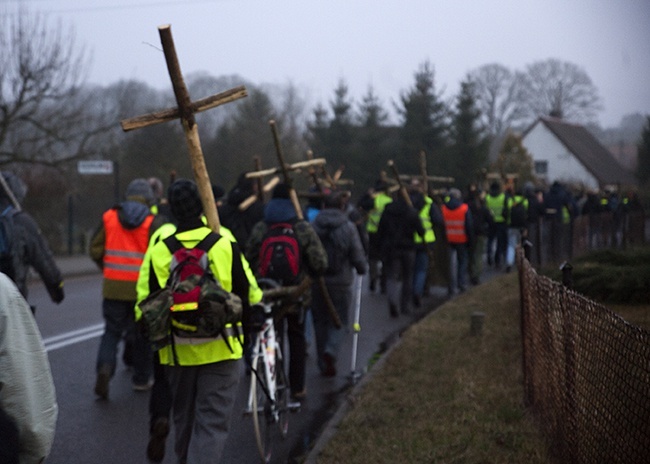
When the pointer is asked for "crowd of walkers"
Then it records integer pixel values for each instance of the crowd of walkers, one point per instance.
(398, 234)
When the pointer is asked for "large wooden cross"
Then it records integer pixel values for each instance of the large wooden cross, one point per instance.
(185, 111)
(284, 168)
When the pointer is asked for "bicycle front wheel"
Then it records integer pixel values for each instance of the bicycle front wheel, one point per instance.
(261, 411)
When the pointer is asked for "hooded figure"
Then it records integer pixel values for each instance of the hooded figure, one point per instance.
(398, 226)
(240, 221)
(459, 228)
(118, 247)
(28, 248)
(313, 263)
(345, 252)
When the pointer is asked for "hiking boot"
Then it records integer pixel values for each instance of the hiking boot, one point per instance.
(157, 439)
(299, 396)
(103, 377)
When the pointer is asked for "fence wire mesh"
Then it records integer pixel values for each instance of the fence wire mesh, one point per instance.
(586, 374)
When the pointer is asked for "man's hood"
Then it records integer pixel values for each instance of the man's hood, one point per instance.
(328, 219)
(132, 213)
(454, 203)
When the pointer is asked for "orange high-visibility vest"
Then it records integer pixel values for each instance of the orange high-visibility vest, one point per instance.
(455, 223)
(124, 249)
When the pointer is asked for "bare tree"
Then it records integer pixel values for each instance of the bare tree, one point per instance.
(46, 117)
(498, 94)
(562, 89)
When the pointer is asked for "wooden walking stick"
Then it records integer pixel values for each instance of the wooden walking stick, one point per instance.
(296, 205)
(185, 111)
(402, 189)
(9, 193)
(257, 160)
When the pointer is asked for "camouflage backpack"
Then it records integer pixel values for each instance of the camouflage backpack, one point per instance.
(192, 304)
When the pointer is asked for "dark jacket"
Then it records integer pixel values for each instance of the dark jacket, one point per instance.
(398, 225)
(313, 255)
(30, 249)
(335, 224)
(240, 223)
(481, 215)
(556, 200)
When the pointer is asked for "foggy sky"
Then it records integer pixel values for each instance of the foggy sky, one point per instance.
(313, 44)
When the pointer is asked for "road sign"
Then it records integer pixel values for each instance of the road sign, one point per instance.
(95, 167)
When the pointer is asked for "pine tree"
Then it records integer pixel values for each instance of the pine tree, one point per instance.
(317, 130)
(514, 159)
(468, 153)
(425, 121)
(372, 141)
(340, 136)
(245, 135)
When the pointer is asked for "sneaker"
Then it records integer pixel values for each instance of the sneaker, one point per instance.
(103, 377)
(157, 439)
(143, 387)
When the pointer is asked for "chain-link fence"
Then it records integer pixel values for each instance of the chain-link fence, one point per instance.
(586, 374)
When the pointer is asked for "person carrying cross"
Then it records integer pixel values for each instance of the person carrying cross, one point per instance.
(203, 376)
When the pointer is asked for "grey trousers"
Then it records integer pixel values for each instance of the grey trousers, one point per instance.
(203, 400)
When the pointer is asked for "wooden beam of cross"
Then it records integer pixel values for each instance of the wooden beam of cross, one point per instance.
(289, 167)
(440, 179)
(402, 188)
(262, 188)
(405, 195)
(185, 111)
(284, 168)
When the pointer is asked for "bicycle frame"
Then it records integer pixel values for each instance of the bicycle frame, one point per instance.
(265, 346)
(269, 405)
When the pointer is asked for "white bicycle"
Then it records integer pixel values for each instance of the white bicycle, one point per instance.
(268, 398)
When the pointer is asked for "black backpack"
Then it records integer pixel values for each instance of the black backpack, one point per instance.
(7, 242)
(280, 257)
(518, 214)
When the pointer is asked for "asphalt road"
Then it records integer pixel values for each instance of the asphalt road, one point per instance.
(114, 431)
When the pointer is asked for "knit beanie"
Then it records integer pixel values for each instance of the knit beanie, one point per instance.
(281, 191)
(184, 200)
(139, 189)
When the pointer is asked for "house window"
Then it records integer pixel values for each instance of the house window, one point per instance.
(541, 168)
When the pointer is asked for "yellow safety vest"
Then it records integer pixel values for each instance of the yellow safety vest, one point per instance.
(220, 257)
(425, 217)
(495, 205)
(381, 200)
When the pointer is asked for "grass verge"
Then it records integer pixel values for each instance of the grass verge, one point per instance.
(445, 396)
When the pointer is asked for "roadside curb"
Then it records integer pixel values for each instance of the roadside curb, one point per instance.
(348, 403)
